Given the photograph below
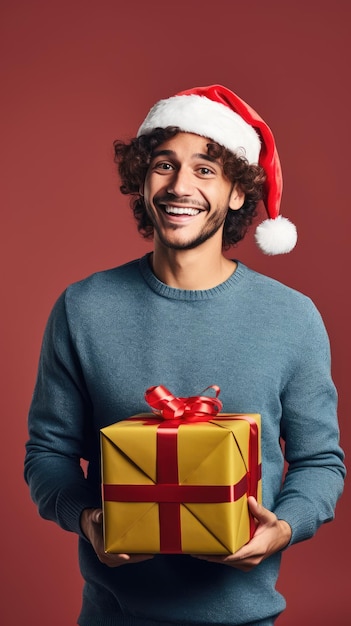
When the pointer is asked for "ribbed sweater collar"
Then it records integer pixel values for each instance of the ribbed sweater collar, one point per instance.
(188, 294)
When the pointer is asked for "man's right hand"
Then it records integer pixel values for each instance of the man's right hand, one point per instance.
(91, 525)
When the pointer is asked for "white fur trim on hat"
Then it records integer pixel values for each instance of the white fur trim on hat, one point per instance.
(201, 116)
(276, 236)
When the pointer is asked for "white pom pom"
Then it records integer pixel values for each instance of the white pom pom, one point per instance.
(276, 236)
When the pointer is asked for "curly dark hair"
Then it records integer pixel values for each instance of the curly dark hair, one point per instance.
(133, 161)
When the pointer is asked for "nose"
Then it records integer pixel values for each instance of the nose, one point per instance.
(181, 183)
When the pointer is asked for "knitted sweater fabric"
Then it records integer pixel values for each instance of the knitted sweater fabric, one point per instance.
(120, 331)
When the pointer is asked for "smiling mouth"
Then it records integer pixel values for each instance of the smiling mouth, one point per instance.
(175, 210)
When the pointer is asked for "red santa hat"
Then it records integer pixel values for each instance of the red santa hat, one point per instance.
(219, 114)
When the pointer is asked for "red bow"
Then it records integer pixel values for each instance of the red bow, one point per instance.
(165, 404)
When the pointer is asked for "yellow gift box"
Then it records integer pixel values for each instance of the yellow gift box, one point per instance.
(177, 486)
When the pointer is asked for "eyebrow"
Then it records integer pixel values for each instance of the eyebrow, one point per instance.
(171, 153)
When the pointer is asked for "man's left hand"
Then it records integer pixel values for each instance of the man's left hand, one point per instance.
(271, 535)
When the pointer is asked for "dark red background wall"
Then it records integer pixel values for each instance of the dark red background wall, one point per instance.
(77, 74)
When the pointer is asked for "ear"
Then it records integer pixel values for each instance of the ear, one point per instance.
(236, 198)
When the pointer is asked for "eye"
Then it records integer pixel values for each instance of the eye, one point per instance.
(163, 165)
(205, 171)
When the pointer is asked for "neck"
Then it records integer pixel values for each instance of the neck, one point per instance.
(191, 269)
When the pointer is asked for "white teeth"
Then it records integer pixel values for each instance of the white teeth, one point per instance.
(175, 210)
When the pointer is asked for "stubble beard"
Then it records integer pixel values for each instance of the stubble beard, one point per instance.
(213, 225)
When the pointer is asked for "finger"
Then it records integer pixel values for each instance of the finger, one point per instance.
(248, 551)
(136, 558)
(245, 565)
(213, 557)
(113, 560)
(262, 515)
(97, 516)
(116, 560)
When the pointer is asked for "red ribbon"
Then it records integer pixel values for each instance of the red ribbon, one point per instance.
(168, 493)
(164, 403)
(165, 493)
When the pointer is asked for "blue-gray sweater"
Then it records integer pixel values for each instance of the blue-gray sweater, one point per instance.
(118, 332)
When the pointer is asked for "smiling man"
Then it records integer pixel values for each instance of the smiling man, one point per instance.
(187, 194)
(186, 316)
(187, 197)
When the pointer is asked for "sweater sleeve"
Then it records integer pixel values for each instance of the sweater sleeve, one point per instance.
(59, 430)
(309, 428)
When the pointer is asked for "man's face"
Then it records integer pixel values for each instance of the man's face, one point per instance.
(186, 193)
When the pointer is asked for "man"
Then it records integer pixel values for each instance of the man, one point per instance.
(187, 317)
